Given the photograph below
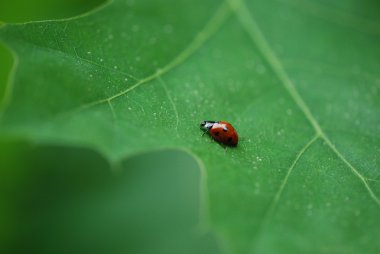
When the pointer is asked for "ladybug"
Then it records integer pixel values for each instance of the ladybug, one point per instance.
(221, 131)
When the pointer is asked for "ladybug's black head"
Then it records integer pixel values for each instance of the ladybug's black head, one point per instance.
(206, 125)
(203, 125)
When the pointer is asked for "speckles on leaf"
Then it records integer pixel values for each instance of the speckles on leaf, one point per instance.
(130, 2)
(216, 53)
(153, 40)
(168, 28)
(257, 188)
(135, 28)
(260, 69)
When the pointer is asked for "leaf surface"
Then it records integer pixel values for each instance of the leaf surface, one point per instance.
(298, 79)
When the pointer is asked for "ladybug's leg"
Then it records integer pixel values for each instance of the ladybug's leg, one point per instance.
(204, 132)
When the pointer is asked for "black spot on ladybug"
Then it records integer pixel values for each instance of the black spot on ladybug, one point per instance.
(223, 132)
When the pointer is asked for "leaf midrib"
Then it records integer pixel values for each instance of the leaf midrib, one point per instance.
(249, 24)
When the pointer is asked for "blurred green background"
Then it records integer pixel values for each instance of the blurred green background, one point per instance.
(65, 200)
(17, 11)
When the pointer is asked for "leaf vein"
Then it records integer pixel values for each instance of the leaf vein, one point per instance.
(112, 110)
(210, 28)
(290, 170)
(335, 16)
(163, 83)
(249, 24)
(269, 212)
(373, 180)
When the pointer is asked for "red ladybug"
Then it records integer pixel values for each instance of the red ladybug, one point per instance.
(221, 131)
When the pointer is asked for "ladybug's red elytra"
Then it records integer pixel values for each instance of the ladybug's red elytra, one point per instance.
(221, 131)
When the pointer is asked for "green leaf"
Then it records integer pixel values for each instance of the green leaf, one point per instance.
(298, 79)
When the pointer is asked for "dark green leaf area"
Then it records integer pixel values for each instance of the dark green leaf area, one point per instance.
(70, 200)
